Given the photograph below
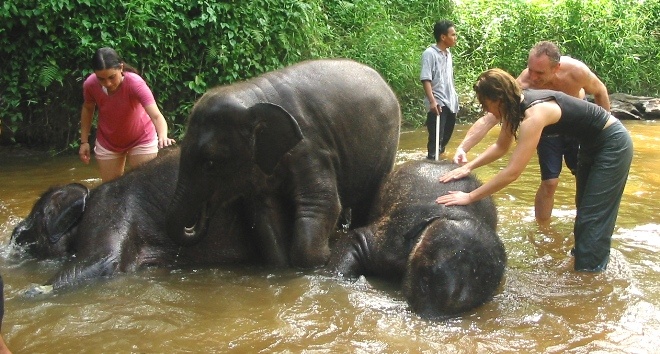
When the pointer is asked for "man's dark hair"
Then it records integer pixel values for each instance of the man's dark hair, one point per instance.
(441, 27)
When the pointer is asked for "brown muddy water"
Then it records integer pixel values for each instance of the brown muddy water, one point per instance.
(542, 306)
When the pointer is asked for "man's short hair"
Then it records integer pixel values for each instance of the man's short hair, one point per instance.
(547, 48)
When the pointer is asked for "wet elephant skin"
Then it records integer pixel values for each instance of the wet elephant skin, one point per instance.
(119, 227)
(299, 145)
(448, 259)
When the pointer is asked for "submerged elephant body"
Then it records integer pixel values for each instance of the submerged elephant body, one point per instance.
(119, 226)
(448, 259)
(299, 145)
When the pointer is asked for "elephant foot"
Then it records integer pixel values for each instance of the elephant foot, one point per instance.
(308, 258)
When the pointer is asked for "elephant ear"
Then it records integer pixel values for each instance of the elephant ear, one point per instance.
(64, 210)
(276, 132)
(417, 228)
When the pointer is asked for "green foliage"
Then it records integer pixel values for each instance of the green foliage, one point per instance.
(390, 37)
(182, 48)
(625, 60)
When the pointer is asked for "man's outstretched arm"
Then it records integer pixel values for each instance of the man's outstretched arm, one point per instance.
(474, 135)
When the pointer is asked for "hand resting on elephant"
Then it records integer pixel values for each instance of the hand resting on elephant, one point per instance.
(299, 145)
(119, 226)
(448, 259)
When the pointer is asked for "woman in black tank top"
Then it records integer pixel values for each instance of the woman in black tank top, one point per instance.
(603, 161)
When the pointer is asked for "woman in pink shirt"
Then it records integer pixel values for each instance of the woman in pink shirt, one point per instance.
(130, 125)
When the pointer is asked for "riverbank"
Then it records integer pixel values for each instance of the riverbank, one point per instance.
(18, 151)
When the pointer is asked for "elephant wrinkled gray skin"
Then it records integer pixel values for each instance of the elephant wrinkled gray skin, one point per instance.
(299, 144)
(119, 226)
(448, 259)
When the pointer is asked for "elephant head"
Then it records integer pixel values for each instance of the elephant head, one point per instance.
(455, 266)
(46, 231)
(230, 149)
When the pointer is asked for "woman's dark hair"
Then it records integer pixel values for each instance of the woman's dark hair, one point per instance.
(497, 85)
(441, 28)
(107, 58)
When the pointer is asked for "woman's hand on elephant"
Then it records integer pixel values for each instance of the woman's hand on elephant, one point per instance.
(454, 198)
(164, 142)
(455, 174)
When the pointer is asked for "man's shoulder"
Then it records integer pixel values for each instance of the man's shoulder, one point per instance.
(431, 49)
(572, 65)
(523, 79)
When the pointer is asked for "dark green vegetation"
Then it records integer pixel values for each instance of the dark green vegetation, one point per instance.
(184, 47)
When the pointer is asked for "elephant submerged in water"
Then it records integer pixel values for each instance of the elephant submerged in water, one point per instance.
(448, 259)
(119, 226)
(299, 145)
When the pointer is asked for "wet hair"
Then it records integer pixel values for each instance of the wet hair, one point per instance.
(499, 86)
(107, 58)
(546, 48)
(441, 28)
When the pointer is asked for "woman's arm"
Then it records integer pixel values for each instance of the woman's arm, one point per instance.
(528, 139)
(492, 153)
(474, 135)
(160, 124)
(86, 116)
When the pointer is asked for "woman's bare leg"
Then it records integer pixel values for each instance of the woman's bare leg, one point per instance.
(137, 160)
(111, 169)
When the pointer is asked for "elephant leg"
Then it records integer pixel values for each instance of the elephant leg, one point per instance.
(272, 239)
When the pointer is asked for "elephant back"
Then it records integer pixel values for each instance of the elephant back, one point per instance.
(414, 185)
(348, 116)
(450, 257)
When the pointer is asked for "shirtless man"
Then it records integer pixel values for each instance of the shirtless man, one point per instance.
(546, 69)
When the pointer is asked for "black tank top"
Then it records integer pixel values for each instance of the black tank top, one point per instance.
(579, 118)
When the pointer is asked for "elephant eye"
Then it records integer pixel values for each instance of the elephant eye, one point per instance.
(210, 166)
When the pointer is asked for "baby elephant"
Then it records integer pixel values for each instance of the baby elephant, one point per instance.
(119, 227)
(449, 259)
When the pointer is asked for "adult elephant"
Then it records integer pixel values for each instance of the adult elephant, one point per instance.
(119, 227)
(299, 145)
(448, 259)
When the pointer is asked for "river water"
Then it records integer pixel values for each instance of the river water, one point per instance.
(542, 306)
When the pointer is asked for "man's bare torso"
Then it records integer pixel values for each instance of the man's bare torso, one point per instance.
(570, 78)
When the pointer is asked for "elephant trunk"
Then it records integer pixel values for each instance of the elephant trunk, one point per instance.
(187, 217)
(77, 273)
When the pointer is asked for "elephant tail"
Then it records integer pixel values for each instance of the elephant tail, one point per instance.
(456, 266)
(76, 274)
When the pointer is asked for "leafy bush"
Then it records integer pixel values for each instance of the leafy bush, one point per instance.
(184, 47)
(180, 48)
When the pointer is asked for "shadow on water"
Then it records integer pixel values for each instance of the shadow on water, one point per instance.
(543, 306)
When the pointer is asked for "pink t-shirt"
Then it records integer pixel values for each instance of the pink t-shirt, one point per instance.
(123, 123)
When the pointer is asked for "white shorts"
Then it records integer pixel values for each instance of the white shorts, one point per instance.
(144, 149)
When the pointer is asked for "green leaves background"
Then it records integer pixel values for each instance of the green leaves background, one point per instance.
(182, 48)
